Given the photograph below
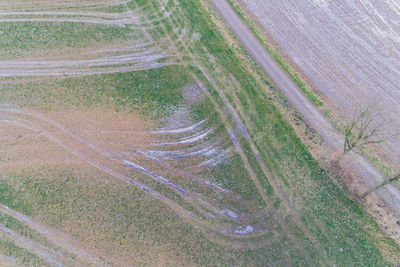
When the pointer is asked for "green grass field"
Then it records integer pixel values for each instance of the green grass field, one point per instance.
(19, 39)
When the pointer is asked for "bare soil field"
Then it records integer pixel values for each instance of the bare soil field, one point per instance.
(348, 51)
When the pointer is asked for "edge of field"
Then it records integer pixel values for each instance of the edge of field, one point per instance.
(300, 81)
(269, 47)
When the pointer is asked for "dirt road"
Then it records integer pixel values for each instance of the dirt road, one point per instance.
(369, 173)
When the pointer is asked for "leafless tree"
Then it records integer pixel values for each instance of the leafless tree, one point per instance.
(366, 128)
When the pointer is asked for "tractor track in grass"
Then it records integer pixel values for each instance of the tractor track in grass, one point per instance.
(237, 228)
(60, 4)
(115, 156)
(136, 60)
(127, 18)
(101, 15)
(254, 177)
(165, 160)
(133, 61)
(89, 18)
(233, 137)
(47, 254)
(56, 237)
(245, 160)
(194, 220)
(255, 151)
(237, 145)
(271, 179)
(229, 128)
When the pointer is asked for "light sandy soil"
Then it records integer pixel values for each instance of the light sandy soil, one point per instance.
(348, 50)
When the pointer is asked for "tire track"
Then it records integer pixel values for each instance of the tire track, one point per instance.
(236, 143)
(128, 18)
(271, 179)
(234, 139)
(225, 120)
(59, 4)
(108, 64)
(229, 129)
(159, 157)
(187, 195)
(221, 226)
(41, 251)
(57, 238)
(120, 23)
(101, 15)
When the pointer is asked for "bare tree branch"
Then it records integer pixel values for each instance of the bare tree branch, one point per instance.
(388, 180)
(366, 128)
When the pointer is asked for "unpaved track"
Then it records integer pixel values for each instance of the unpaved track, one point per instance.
(363, 167)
